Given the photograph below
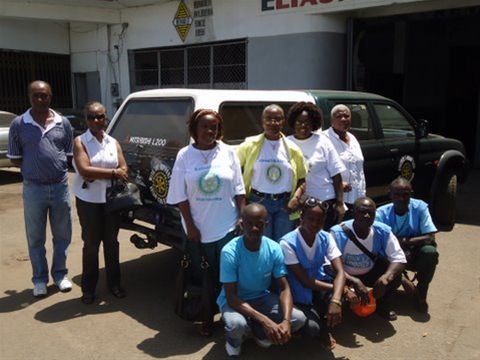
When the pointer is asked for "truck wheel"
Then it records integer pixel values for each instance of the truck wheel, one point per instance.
(445, 204)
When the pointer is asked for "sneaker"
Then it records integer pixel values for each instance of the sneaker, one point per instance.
(64, 285)
(39, 290)
(263, 343)
(232, 350)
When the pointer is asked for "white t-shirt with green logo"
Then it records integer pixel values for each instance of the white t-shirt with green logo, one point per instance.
(324, 164)
(209, 180)
(272, 172)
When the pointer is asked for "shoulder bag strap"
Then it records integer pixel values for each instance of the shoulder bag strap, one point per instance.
(354, 239)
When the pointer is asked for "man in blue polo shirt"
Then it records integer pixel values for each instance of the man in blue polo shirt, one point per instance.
(247, 265)
(39, 143)
(412, 224)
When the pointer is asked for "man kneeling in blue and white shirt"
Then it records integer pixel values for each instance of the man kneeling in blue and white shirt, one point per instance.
(411, 222)
(361, 271)
(247, 264)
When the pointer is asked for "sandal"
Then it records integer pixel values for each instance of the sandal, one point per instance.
(327, 341)
(206, 329)
(118, 292)
(87, 299)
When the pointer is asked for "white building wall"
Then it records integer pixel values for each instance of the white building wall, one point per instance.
(34, 35)
(151, 26)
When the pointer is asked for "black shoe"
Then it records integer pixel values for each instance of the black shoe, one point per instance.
(88, 299)
(421, 305)
(118, 292)
(386, 313)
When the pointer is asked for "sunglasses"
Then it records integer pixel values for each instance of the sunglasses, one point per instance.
(92, 117)
(312, 202)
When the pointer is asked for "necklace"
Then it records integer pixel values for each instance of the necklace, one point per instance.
(207, 156)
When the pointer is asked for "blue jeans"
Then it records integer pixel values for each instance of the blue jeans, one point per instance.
(40, 201)
(238, 327)
(279, 223)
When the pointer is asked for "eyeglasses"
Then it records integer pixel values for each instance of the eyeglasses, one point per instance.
(92, 117)
(271, 120)
(312, 202)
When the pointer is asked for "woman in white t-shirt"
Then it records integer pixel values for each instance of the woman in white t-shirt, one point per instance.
(97, 158)
(307, 250)
(348, 148)
(324, 179)
(207, 186)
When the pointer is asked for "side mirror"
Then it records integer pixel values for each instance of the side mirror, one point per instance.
(423, 128)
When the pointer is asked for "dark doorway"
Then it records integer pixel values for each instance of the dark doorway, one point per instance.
(428, 62)
(87, 87)
(463, 90)
(19, 68)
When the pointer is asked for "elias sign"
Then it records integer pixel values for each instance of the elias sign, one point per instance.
(269, 5)
(323, 6)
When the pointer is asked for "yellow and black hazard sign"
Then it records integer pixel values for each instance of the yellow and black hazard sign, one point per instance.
(182, 20)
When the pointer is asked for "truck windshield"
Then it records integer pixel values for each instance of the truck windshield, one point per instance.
(154, 123)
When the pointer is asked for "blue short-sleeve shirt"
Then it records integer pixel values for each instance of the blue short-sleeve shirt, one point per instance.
(417, 221)
(252, 271)
(43, 152)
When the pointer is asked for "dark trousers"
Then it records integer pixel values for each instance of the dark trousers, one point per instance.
(424, 262)
(97, 227)
(212, 253)
(316, 322)
(372, 276)
(331, 215)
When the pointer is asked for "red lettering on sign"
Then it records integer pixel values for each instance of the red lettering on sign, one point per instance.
(294, 3)
(326, 1)
(312, 2)
(280, 5)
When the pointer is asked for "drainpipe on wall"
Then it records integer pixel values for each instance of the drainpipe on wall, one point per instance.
(349, 54)
(476, 155)
(72, 78)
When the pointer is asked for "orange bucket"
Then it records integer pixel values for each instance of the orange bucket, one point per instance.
(365, 310)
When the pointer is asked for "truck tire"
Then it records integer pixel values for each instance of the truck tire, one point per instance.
(445, 202)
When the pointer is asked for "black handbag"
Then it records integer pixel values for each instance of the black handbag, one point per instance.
(122, 196)
(377, 259)
(194, 298)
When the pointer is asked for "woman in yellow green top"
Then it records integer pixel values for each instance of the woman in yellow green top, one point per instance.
(273, 167)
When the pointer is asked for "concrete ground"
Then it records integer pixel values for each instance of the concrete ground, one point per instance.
(143, 325)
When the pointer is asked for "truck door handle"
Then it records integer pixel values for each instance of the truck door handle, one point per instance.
(394, 151)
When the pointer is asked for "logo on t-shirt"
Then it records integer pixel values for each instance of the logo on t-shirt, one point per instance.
(274, 173)
(209, 183)
(358, 261)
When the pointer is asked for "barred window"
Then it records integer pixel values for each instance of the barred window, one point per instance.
(208, 66)
(229, 65)
(146, 68)
(172, 71)
(199, 61)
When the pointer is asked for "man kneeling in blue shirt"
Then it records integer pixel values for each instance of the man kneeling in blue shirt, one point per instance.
(412, 224)
(247, 264)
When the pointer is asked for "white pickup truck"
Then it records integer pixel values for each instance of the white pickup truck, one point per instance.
(5, 120)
